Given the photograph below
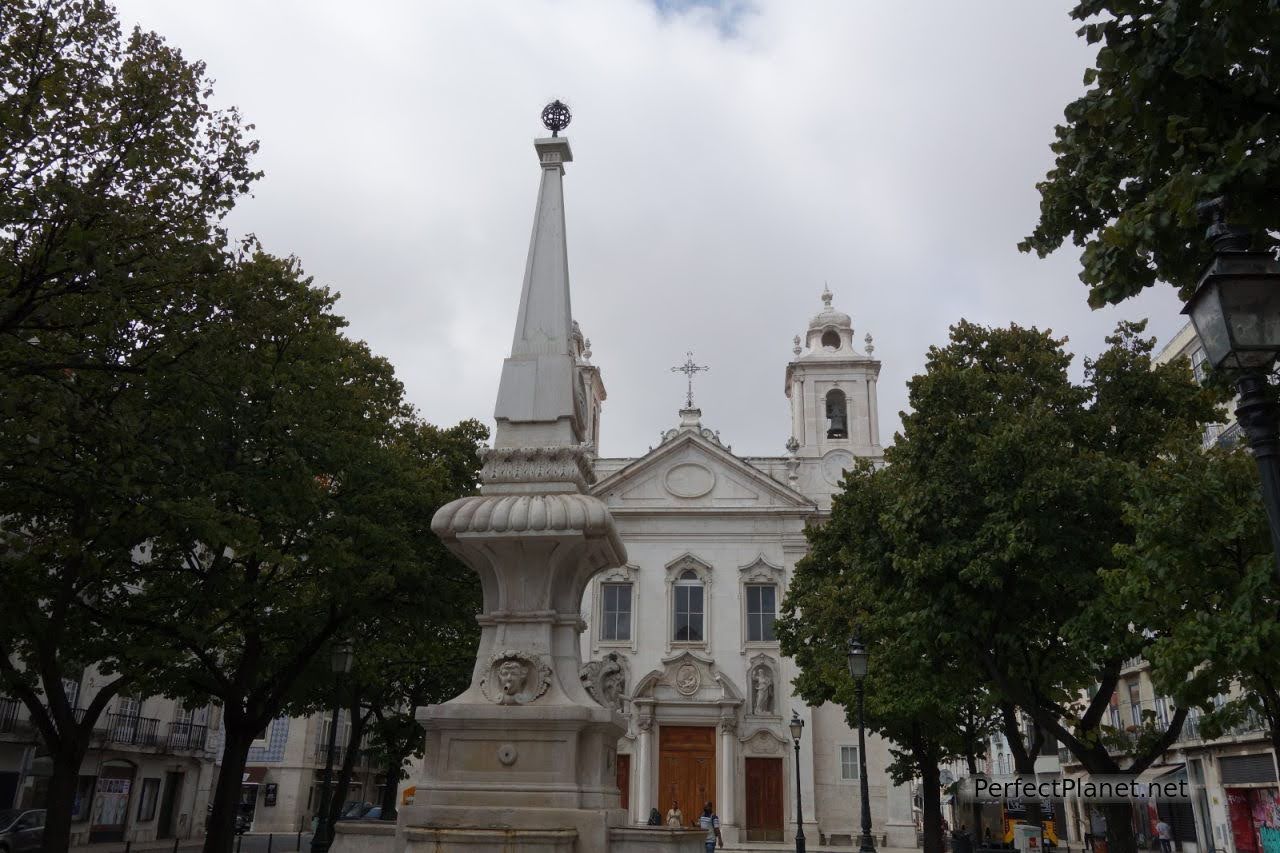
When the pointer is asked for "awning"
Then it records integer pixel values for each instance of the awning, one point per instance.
(253, 775)
(1158, 771)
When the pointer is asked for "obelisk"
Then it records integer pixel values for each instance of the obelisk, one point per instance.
(525, 758)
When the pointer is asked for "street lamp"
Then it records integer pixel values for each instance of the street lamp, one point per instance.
(858, 669)
(797, 729)
(340, 659)
(1236, 312)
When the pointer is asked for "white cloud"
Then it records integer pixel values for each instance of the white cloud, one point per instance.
(726, 165)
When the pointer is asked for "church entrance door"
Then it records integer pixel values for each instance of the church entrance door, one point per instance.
(764, 799)
(687, 769)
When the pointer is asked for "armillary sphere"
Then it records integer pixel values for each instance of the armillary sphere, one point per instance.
(556, 117)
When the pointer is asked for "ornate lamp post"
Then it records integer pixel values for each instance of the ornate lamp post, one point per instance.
(797, 729)
(858, 669)
(1236, 313)
(340, 662)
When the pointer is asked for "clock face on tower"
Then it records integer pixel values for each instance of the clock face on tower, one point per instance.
(834, 464)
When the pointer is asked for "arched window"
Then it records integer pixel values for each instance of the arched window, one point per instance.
(689, 610)
(837, 414)
(831, 339)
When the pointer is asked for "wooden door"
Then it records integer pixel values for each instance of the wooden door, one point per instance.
(624, 779)
(764, 799)
(686, 769)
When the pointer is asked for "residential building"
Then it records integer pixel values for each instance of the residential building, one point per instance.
(147, 776)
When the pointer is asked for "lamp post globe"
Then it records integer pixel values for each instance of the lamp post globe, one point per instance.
(1235, 310)
(797, 729)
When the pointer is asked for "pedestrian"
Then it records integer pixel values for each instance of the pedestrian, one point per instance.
(1165, 833)
(655, 817)
(675, 817)
(710, 821)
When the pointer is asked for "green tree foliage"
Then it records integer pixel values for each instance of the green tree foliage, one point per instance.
(1202, 546)
(918, 694)
(114, 173)
(418, 647)
(296, 507)
(1183, 105)
(1006, 505)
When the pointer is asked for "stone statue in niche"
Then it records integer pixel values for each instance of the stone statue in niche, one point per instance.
(606, 680)
(762, 691)
(515, 678)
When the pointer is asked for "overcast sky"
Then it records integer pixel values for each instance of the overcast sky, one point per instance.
(728, 161)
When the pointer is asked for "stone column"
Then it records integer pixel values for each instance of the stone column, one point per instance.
(726, 793)
(644, 767)
(873, 412)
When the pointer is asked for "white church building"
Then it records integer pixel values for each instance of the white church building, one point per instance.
(681, 638)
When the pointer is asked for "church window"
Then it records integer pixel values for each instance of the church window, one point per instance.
(615, 611)
(837, 414)
(761, 610)
(688, 608)
(848, 763)
(831, 339)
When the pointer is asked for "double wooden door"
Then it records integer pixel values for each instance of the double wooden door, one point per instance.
(686, 769)
(764, 799)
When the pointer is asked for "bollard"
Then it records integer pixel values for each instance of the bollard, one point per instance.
(175, 845)
(270, 837)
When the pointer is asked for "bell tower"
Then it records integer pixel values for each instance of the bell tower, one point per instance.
(832, 388)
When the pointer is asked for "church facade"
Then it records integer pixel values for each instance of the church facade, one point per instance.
(680, 639)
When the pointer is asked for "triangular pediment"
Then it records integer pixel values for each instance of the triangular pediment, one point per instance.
(692, 471)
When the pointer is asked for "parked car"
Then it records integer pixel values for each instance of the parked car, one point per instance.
(21, 830)
(374, 813)
(354, 810)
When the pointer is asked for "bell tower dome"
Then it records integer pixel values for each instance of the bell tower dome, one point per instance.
(832, 388)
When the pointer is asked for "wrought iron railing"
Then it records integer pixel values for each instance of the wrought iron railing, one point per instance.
(8, 713)
(187, 737)
(132, 730)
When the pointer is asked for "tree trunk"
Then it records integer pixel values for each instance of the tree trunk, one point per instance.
(339, 796)
(62, 795)
(221, 831)
(1024, 757)
(389, 799)
(1120, 838)
(931, 799)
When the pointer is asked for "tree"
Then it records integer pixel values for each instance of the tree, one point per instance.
(295, 506)
(419, 645)
(1183, 105)
(1009, 509)
(1220, 570)
(114, 172)
(918, 695)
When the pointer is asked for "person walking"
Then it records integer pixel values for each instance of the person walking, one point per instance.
(1165, 833)
(710, 821)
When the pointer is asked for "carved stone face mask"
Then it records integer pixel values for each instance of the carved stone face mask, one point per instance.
(512, 675)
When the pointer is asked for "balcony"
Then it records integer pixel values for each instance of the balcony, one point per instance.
(322, 752)
(186, 737)
(131, 730)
